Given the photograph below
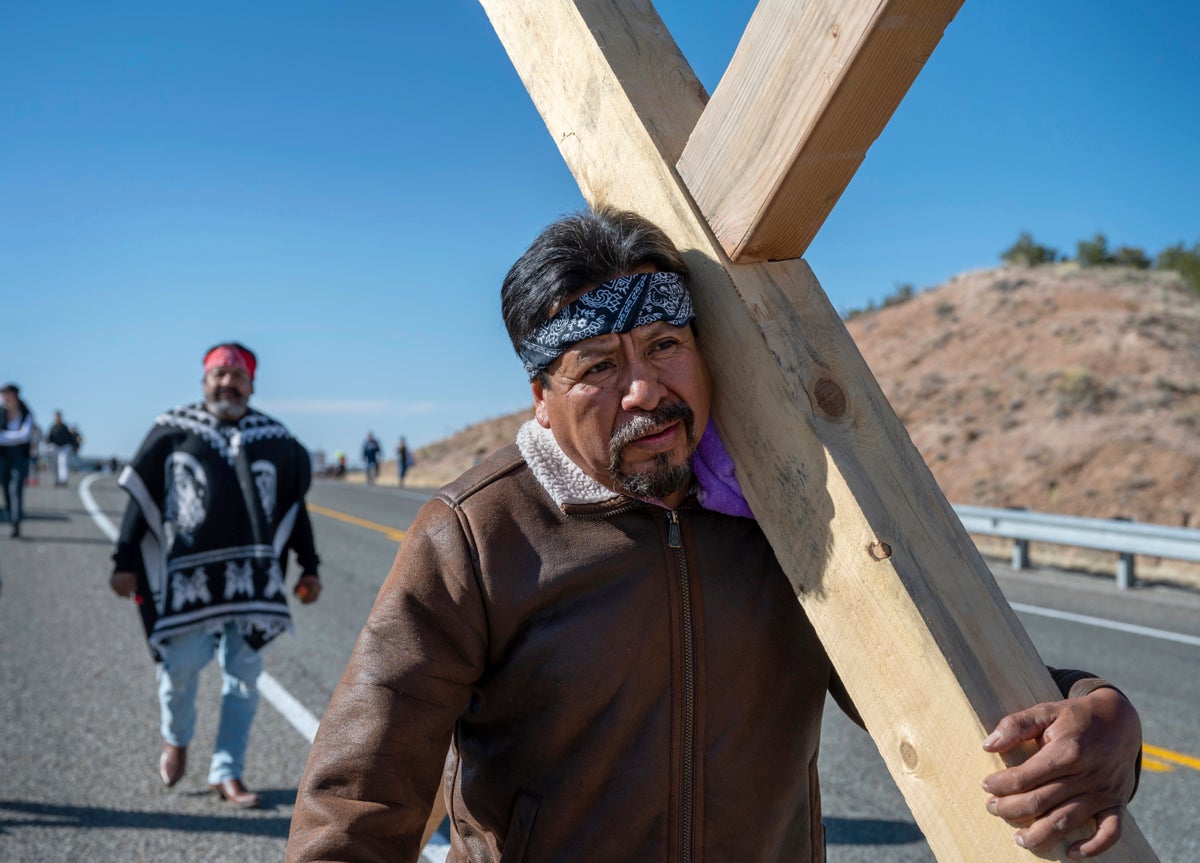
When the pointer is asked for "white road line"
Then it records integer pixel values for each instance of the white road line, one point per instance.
(278, 697)
(293, 711)
(1162, 634)
(436, 850)
(89, 503)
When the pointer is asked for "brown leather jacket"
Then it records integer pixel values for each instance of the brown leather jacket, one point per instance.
(614, 681)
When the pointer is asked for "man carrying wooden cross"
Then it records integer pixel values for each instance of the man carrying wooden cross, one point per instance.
(593, 625)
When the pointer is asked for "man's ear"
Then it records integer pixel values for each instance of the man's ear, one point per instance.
(539, 404)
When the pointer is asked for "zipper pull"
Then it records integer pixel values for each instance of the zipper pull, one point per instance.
(674, 537)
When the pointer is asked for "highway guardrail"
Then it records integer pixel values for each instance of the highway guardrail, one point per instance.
(1126, 538)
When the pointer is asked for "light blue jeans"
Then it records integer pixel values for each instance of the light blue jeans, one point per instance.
(178, 675)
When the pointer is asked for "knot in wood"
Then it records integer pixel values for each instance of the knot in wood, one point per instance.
(908, 756)
(831, 398)
(879, 550)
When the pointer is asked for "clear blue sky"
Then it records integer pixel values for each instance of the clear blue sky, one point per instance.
(342, 186)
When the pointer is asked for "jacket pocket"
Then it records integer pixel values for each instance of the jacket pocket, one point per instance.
(520, 827)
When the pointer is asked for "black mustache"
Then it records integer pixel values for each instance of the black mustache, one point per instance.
(658, 419)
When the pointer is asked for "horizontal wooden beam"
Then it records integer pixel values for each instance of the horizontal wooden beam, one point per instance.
(906, 608)
(809, 89)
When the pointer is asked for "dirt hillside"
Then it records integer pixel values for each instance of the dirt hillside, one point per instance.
(1055, 388)
(440, 462)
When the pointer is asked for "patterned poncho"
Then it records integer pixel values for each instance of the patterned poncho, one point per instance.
(215, 506)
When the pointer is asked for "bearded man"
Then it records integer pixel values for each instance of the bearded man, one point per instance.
(599, 633)
(217, 499)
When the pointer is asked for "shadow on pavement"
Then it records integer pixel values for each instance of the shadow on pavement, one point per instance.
(35, 515)
(29, 814)
(66, 513)
(71, 540)
(870, 831)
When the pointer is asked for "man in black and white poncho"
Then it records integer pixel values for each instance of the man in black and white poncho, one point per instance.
(217, 494)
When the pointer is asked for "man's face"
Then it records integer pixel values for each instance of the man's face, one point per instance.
(629, 408)
(227, 392)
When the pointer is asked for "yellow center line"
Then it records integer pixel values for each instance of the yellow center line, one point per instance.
(1173, 757)
(391, 532)
(1156, 766)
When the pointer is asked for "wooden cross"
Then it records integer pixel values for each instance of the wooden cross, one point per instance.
(905, 606)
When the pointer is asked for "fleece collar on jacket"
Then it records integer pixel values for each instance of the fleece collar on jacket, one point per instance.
(563, 480)
(715, 484)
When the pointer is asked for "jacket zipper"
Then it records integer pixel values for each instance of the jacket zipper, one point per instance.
(675, 541)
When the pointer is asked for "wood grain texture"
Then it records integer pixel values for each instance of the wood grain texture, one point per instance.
(810, 88)
(906, 608)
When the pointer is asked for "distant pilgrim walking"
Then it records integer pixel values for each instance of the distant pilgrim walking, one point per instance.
(63, 440)
(403, 460)
(16, 441)
(371, 451)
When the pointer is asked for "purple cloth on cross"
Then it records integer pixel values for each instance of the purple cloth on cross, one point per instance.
(715, 473)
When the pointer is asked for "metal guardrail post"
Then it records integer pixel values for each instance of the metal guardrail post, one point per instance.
(1125, 573)
(1020, 549)
(1020, 554)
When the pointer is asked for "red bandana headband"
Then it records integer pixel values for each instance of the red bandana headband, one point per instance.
(228, 356)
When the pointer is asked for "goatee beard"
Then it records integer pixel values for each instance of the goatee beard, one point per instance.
(662, 478)
(227, 410)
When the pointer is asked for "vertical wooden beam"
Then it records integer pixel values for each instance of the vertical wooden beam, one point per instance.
(906, 608)
(810, 88)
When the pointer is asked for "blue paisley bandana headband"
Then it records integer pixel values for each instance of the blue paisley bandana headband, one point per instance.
(614, 307)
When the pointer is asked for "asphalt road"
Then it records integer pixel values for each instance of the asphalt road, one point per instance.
(79, 717)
